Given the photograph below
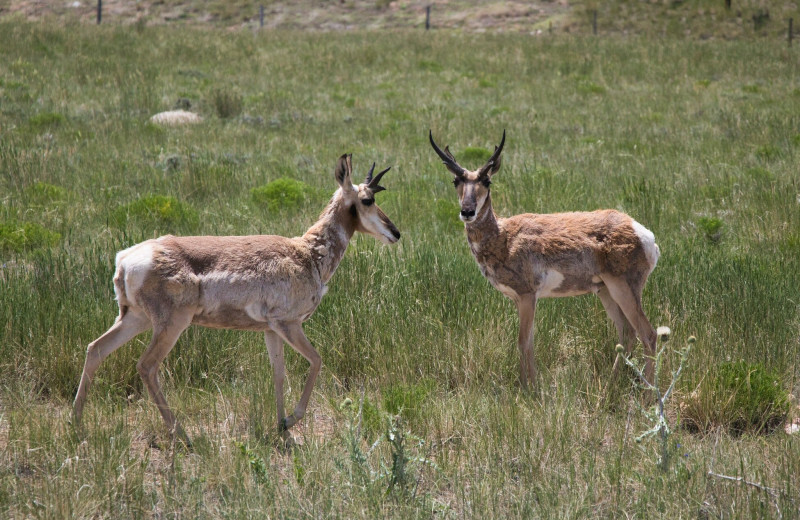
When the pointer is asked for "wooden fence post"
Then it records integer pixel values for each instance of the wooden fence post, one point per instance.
(427, 17)
(790, 31)
(261, 16)
(594, 22)
(99, 11)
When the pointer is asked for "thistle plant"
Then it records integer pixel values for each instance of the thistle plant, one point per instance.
(655, 414)
(404, 448)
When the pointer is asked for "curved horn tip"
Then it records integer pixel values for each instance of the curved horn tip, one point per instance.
(369, 174)
(374, 182)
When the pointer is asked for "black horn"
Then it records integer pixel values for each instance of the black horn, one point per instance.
(369, 174)
(493, 164)
(373, 184)
(447, 158)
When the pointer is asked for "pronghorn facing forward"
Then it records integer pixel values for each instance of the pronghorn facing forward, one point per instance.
(263, 282)
(530, 256)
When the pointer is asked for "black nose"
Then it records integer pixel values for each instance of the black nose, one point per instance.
(396, 233)
(467, 213)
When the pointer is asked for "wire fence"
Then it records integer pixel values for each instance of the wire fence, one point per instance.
(760, 19)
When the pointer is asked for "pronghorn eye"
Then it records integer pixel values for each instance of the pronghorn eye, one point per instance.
(486, 182)
(368, 202)
(456, 181)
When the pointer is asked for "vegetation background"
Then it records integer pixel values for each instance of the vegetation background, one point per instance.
(683, 114)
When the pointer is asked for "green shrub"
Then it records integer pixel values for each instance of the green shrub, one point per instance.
(157, 210)
(24, 236)
(711, 228)
(738, 397)
(282, 193)
(474, 154)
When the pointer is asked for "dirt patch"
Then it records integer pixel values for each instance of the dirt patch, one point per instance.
(315, 15)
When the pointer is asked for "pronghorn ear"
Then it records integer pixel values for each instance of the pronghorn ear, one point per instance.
(494, 167)
(343, 169)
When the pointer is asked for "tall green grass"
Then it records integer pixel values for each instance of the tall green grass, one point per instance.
(674, 133)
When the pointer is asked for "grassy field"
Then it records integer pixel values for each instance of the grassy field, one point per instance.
(697, 140)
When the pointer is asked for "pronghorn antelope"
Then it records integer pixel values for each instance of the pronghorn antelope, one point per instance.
(263, 282)
(532, 256)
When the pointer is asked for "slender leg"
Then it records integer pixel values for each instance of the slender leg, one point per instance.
(631, 304)
(164, 338)
(526, 306)
(275, 349)
(127, 325)
(292, 333)
(627, 337)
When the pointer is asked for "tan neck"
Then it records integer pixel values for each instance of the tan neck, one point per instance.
(329, 236)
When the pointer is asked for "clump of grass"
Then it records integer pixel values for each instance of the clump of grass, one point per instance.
(157, 210)
(475, 154)
(406, 398)
(738, 397)
(228, 104)
(18, 236)
(43, 193)
(588, 87)
(430, 65)
(761, 175)
(768, 152)
(45, 120)
(711, 228)
(282, 193)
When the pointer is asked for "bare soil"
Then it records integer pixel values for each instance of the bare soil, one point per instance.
(316, 15)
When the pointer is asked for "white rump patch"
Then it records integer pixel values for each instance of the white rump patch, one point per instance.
(551, 280)
(175, 118)
(648, 241)
(136, 263)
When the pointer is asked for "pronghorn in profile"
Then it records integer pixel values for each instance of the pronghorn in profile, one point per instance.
(532, 256)
(263, 282)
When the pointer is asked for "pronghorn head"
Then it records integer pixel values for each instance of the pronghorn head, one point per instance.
(360, 201)
(472, 186)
